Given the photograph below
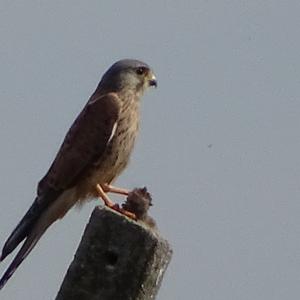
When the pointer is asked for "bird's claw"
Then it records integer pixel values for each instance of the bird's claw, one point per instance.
(123, 211)
(112, 205)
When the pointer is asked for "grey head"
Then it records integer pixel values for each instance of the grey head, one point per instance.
(128, 75)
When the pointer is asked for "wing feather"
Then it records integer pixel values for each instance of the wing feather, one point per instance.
(85, 141)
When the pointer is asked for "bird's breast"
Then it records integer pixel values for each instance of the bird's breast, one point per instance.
(116, 156)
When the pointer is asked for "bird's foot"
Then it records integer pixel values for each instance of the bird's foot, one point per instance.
(124, 212)
(112, 205)
(107, 188)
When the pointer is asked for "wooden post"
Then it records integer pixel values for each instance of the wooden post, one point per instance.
(117, 259)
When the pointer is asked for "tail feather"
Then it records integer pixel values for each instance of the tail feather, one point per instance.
(21, 231)
(28, 245)
(43, 212)
(25, 226)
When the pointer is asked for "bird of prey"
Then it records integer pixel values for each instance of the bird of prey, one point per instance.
(94, 152)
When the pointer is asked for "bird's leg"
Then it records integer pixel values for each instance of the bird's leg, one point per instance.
(104, 196)
(110, 204)
(107, 188)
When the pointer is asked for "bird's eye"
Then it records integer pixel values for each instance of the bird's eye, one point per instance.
(140, 70)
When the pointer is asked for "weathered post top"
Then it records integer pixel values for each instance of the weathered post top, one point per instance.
(117, 259)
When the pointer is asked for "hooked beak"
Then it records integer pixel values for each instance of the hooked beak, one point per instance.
(152, 80)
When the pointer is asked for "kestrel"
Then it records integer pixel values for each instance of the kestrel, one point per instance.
(94, 152)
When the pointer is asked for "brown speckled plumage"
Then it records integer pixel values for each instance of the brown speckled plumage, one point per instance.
(116, 155)
(94, 152)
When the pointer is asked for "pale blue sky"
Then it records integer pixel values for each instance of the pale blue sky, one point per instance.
(219, 143)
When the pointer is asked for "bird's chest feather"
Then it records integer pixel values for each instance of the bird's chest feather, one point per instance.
(116, 156)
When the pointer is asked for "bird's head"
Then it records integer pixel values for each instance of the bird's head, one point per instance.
(129, 75)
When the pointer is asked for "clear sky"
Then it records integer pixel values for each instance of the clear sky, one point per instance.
(219, 143)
